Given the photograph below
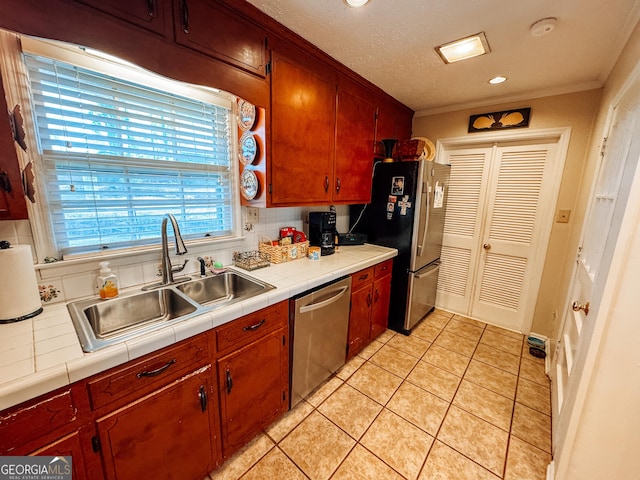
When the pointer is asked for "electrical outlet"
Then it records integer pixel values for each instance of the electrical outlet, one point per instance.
(252, 215)
(563, 216)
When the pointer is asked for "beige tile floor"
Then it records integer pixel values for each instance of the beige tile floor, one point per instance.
(455, 400)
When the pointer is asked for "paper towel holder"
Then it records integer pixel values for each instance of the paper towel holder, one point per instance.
(6, 246)
(23, 317)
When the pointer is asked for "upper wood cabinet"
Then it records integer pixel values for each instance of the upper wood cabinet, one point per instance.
(13, 205)
(303, 106)
(392, 122)
(148, 14)
(322, 136)
(214, 29)
(355, 124)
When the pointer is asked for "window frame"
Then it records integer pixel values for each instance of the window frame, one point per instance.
(14, 73)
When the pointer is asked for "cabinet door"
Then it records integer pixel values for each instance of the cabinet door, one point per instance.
(170, 433)
(13, 205)
(303, 106)
(355, 128)
(68, 446)
(386, 126)
(359, 319)
(380, 307)
(213, 29)
(148, 14)
(253, 383)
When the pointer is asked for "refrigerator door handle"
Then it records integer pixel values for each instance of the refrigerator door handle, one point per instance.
(426, 223)
(428, 271)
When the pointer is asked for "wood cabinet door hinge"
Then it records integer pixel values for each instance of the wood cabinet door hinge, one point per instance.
(95, 444)
(270, 188)
(267, 68)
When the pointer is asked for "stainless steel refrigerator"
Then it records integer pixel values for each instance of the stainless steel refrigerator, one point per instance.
(407, 210)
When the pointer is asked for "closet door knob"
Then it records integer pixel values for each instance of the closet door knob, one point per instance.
(487, 246)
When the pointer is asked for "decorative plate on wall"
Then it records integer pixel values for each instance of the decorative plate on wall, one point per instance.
(247, 148)
(249, 184)
(246, 115)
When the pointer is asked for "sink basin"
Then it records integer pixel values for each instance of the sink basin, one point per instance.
(102, 322)
(223, 289)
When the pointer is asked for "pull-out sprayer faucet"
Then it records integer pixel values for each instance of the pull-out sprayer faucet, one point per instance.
(181, 249)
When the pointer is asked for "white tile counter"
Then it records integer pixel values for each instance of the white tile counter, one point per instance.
(43, 353)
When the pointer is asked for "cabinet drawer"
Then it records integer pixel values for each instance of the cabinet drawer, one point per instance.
(34, 420)
(383, 268)
(250, 327)
(361, 278)
(146, 374)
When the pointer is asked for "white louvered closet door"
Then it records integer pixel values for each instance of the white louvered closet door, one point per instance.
(468, 183)
(494, 248)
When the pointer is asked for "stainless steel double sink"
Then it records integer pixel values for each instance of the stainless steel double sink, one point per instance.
(100, 323)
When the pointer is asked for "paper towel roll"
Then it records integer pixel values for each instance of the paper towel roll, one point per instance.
(19, 295)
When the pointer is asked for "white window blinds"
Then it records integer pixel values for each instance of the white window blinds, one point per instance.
(119, 155)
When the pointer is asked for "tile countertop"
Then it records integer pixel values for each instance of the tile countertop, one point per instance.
(42, 354)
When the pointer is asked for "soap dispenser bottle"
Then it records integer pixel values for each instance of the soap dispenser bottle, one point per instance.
(107, 282)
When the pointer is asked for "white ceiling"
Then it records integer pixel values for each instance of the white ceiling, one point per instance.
(391, 43)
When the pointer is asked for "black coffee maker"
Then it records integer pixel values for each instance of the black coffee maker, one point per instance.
(322, 231)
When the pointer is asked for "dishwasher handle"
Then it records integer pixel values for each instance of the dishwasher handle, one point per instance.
(314, 306)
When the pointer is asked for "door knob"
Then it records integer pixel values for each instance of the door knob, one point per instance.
(578, 306)
(487, 246)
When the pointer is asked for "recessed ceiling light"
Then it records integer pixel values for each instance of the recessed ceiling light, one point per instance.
(464, 48)
(497, 80)
(356, 3)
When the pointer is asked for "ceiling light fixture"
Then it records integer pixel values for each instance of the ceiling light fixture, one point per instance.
(468, 47)
(356, 3)
(497, 80)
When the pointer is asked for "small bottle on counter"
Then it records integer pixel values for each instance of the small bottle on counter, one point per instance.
(107, 282)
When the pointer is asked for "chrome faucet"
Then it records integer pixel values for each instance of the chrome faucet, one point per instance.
(167, 269)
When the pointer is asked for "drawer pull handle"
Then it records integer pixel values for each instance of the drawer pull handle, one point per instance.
(229, 381)
(376, 296)
(368, 300)
(255, 326)
(364, 277)
(151, 4)
(157, 371)
(326, 184)
(202, 394)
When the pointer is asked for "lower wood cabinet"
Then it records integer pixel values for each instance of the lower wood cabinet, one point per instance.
(171, 414)
(370, 293)
(170, 433)
(253, 376)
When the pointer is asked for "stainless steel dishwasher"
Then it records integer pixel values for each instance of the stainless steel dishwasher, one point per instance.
(319, 328)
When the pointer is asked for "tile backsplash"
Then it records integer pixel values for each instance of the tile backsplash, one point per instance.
(68, 280)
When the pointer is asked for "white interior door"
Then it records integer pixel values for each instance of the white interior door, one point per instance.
(519, 215)
(468, 183)
(499, 216)
(580, 334)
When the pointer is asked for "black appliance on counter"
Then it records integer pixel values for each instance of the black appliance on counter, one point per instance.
(407, 211)
(322, 231)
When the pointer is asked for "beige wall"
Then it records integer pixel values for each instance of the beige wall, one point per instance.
(578, 111)
(607, 437)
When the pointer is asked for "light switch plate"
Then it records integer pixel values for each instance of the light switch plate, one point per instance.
(563, 216)
(252, 215)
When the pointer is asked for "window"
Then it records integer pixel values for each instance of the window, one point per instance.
(119, 154)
